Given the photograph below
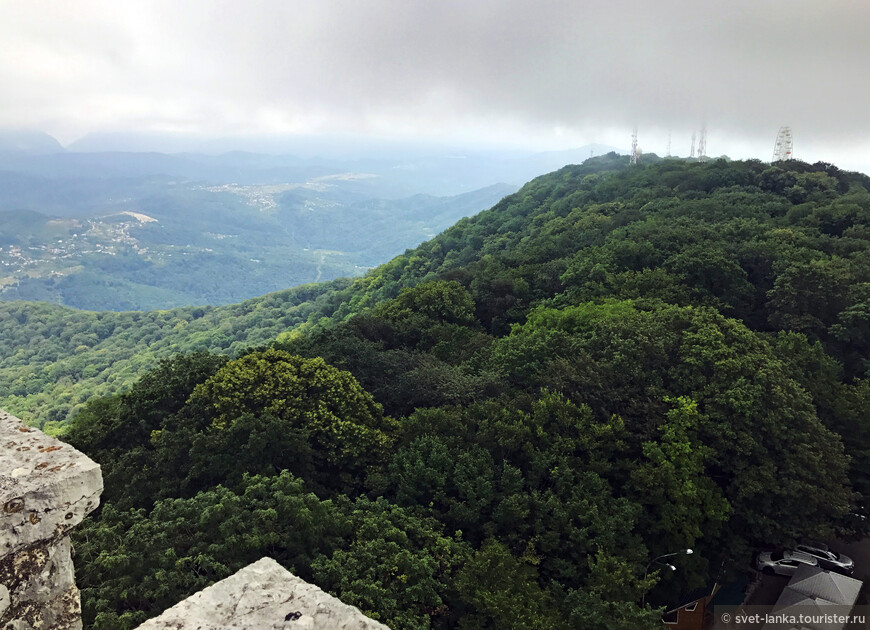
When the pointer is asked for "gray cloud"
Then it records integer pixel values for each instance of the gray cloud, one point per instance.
(522, 71)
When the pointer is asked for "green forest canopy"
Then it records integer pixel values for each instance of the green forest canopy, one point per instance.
(609, 365)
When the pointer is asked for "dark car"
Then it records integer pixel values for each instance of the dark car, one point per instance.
(827, 557)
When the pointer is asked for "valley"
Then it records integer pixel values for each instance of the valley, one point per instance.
(157, 242)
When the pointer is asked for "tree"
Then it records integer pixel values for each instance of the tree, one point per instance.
(117, 431)
(503, 592)
(344, 426)
(131, 565)
(611, 595)
(682, 504)
(781, 470)
(808, 297)
(398, 568)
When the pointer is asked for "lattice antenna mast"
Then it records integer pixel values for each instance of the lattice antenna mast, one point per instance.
(702, 145)
(783, 149)
(692, 154)
(668, 154)
(633, 159)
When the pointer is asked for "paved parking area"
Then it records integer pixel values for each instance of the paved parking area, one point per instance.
(766, 593)
(859, 552)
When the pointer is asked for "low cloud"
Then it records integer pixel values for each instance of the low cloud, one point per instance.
(551, 72)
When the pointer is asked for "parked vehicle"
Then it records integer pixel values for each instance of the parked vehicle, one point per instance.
(783, 562)
(827, 557)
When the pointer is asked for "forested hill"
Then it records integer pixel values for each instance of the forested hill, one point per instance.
(53, 358)
(503, 426)
(779, 247)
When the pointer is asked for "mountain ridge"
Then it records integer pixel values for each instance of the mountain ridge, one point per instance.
(444, 255)
(512, 419)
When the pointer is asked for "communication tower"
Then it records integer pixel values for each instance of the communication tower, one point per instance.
(634, 151)
(702, 145)
(784, 146)
(692, 154)
(668, 154)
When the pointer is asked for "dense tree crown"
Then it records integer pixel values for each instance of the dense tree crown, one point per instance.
(502, 427)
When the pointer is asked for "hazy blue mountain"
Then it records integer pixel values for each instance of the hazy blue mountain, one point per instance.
(30, 142)
(112, 224)
(154, 243)
(401, 168)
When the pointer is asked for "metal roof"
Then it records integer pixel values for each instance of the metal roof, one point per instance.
(814, 592)
(817, 583)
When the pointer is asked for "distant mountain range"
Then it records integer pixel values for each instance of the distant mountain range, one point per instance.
(400, 169)
(30, 142)
(157, 243)
(100, 229)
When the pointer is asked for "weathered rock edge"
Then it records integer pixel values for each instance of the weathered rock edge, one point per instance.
(263, 595)
(46, 488)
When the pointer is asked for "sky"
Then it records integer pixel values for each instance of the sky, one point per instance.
(537, 74)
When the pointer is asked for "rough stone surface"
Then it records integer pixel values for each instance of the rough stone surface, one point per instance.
(262, 596)
(40, 584)
(46, 488)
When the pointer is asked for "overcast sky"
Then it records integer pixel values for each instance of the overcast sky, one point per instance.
(538, 74)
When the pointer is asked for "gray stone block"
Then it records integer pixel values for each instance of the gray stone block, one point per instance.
(262, 596)
(46, 488)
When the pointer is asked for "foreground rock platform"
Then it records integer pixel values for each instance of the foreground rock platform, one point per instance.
(262, 596)
(46, 488)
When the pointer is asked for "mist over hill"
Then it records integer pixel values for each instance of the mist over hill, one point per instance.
(308, 282)
(28, 143)
(399, 168)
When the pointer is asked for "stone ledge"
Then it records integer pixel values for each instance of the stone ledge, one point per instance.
(46, 487)
(37, 588)
(266, 596)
